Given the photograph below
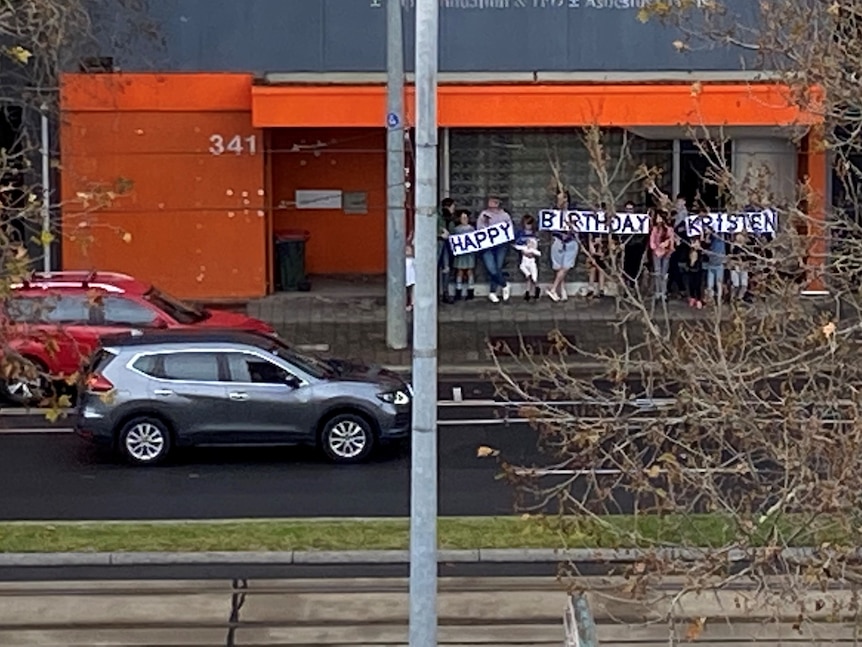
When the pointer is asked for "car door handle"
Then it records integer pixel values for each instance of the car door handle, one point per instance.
(236, 395)
(162, 392)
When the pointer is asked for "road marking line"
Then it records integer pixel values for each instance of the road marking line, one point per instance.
(21, 431)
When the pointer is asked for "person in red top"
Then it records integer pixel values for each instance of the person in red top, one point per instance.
(662, 243)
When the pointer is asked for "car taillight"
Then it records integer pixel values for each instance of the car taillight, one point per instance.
(99, 384)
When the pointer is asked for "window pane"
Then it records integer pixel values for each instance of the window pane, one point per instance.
(54, 309)
(197, 367)
(253, 370)
(120, 311)
(148, 365)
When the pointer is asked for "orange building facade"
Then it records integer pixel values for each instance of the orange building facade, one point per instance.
(184, 179)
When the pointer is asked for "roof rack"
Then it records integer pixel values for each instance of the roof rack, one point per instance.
(82, 277)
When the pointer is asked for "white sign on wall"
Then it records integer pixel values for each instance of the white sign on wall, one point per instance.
(318, 199)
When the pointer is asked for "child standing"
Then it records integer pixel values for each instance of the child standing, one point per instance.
(598, 264)
(526, 233)
(529, 268)
(409, 274)
(464, 264)
(694, 274)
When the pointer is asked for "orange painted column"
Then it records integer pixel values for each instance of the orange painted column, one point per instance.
(816, 183)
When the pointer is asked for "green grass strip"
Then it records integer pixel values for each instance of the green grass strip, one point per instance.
(380, 534)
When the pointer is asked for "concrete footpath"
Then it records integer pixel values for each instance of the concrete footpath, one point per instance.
(345, 557)
(515, 612)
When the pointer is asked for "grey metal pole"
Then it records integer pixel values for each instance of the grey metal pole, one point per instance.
(586, 624)
(423, 467)
(396, 301)
(46, 193)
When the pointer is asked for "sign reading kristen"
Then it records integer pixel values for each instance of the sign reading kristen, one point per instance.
(482, 239)
(753, 222)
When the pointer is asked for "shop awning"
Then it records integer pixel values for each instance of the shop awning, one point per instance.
(524, 106)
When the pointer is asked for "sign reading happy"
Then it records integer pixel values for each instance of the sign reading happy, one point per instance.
(482, 239)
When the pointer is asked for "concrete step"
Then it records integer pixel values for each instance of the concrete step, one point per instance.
(378, 636)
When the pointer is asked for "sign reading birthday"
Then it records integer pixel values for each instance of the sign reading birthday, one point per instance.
(594, 222)
(633, 224)
(482, 239)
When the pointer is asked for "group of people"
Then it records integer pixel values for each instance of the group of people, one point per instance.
(690, 266)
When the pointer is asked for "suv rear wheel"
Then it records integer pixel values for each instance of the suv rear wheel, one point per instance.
(145, 441)
(347, 438)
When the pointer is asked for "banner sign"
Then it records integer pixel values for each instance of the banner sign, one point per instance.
(753, 222)
(632, 224)
(590, 222)
(482, 239)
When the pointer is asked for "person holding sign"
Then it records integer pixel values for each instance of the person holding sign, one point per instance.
(716, 252)
(662, 243)
(494, 258)
(444, 254)
(564, 251)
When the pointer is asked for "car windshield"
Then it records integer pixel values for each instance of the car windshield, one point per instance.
(314, 366)
(178, 310)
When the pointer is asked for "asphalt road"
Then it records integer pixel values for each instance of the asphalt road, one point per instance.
(49, 474)
(46, 475)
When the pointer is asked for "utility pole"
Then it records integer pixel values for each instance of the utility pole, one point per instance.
(423, 466)
(46, 191)
(396, 301)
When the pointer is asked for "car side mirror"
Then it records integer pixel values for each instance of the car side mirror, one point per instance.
(292, 381)
(161, 324)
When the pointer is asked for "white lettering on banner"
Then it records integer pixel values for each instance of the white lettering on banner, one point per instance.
(753, 222)
(481, 239)
(236, 144)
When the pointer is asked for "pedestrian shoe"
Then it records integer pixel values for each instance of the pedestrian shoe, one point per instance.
(471, 294)
(537, 293)
(458, 294)
(507, 292)
(493, 298)
(527, 295)
(552, 296)
(564, 296)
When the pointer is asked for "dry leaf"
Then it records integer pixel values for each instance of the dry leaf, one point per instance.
(695, 629)
(127, 237)
(679, 45)
(485, 452)
(20, 54)
(653, 471)
(696, 88)
(829, 330)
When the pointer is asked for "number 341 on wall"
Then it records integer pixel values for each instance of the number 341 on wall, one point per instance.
(236, 144)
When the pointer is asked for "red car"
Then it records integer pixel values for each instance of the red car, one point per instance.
(54, 322)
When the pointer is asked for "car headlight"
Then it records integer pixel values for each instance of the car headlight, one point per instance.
(399, 398)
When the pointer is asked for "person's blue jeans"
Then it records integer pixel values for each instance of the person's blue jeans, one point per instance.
(493, 260)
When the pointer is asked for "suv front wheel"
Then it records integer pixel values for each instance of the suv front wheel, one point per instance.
(347, 438)
(145, 441)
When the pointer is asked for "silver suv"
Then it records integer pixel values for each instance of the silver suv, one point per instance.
(146, 393)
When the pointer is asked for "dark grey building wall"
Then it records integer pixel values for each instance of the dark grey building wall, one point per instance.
(349, 36)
